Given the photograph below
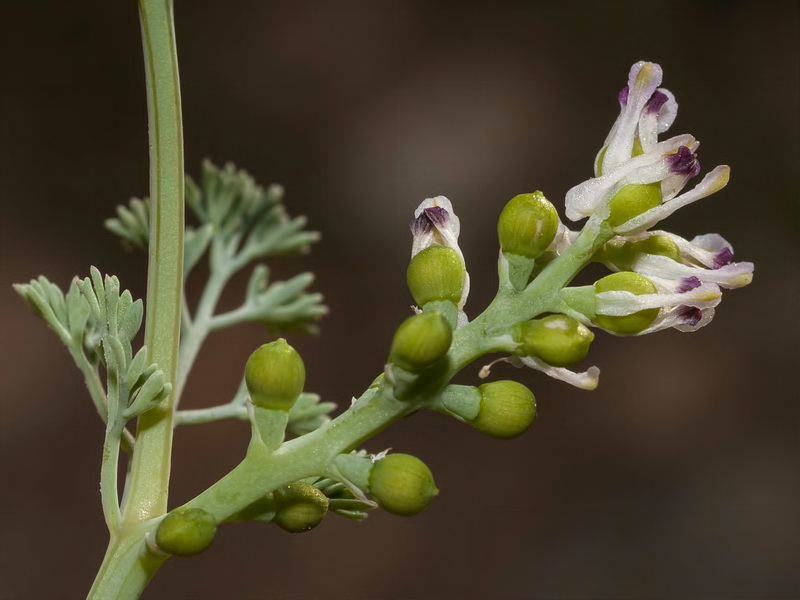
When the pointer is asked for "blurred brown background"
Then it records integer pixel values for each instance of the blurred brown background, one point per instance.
(677, 478)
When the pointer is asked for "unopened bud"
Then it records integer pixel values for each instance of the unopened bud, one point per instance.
(632, 200)
(275, 375)
(420, 341)
(402, 484)
(436, 273)
(527, 225)
(186, 532)
(636, 284)
(623, 254)
(299, 507)
(507, 409)
(558, 340)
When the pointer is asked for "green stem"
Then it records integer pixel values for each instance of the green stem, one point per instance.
(128, 565)
(312, 454)
(109, 492)
(201, 326)
(541, 295)
(146, 496)
(97, 393)
(198, 416)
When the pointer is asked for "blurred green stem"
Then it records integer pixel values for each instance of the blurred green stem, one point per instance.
(128, 564)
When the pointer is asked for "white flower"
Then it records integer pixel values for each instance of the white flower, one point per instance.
(435, 223)
(706, 258)
(586, 380)
(684, 305)
(645, 111)
(633, 155)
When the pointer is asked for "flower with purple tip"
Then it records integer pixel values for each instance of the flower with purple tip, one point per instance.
(705, 259)
(632, 155)
(435, 222)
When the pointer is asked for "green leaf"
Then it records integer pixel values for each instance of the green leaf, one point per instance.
(136, 368)
(149, 395)
(78, 313)
(131, 321)
(132, 222)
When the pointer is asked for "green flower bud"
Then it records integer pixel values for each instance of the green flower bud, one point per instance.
(436, 273)
(558, 340)
(623, 254)
(300, 507)
(660, 245)
(629, 282)
(186, 532)
(632, 200)
(507, 409)
(420, 341)
(527, 225)
(275, 375)
(402, 484)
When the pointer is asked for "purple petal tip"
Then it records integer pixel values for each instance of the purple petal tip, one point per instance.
(690, 315)
(689, 283)
(623, 95)
(437, 215)
(684, 162)
(656, 101)
(723, 257)
(421, 225)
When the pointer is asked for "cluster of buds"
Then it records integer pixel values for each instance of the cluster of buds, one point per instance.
(662, 279)
(658, 279)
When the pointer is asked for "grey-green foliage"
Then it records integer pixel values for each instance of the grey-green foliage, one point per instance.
(67, 315)
(98, 322)
(280, 305)
(238, 221)
(308, 414)
(341, 499)
(133, 385)
(132, 222)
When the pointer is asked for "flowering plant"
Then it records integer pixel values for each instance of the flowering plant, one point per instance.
(537, 320)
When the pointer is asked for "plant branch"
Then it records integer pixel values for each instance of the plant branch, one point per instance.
(147, 495)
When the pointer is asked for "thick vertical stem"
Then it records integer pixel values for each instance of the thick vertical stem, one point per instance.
(146, 496)
(129, 564)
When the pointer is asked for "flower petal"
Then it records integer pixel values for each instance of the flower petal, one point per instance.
(622, 303)
(658, 115)
(729, 276)
(682, 318)
(593, 195)
(643, 79)
(711, 183)
(587, 380)
(435, 223)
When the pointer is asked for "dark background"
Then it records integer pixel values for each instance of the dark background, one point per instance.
(676, 478)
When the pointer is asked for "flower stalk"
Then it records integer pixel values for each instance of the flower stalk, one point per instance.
(128, 565)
